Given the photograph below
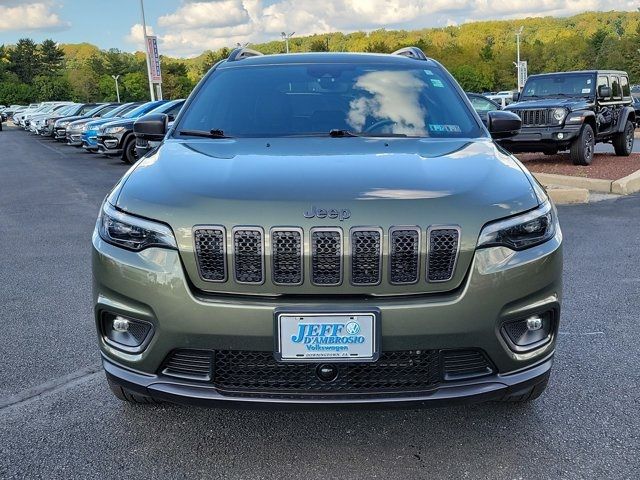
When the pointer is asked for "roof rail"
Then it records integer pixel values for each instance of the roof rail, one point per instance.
(242, 52)
(411, 52)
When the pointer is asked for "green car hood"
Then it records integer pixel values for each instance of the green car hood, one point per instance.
(273, 182)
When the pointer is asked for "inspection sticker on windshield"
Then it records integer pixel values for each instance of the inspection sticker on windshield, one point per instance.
(335, 337)
(436, 82)
(586, 90)
(428, 72)
(434, 127)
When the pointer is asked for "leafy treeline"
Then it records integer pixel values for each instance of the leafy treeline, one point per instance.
(31, 72)
(479, 54)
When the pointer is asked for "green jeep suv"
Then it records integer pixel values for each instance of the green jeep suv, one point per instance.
(327, 229)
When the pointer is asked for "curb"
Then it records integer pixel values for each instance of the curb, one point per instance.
(627, 185)
(592, 184)
(563, 195)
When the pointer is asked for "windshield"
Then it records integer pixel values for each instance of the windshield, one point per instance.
(143, 109)
(572, 85)
(299, 100)
(116, 111)
(67, 109)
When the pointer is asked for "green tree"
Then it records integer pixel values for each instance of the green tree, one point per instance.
(25, 60)
(319, 45)
(51, 57)
(49, 88)
(135, 87)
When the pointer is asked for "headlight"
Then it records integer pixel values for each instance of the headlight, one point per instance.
(522, 231)
(113, 130)
(559, 114)
(62, 124)
(131, 232)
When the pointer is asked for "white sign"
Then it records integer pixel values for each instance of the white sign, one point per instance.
(154, 59)
(522, 72)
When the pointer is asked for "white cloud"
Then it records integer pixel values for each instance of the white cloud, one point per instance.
(199, 25)
(30, 15)
(136, 35)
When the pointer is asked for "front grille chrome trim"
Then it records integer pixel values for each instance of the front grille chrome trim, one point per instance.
(352, 250)
(433, 228)
(251, 228)
(392, 230)
(299, 231)
(222, 229)
(312, 255)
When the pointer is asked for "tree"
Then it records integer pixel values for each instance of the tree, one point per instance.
(378, 47)
(486, 52)
(135, 87)
(319, 45)
(49, 88)
(25, 60)
(51, 57)
(175, 81)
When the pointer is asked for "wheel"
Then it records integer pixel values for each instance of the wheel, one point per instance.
(582, 147)
(127, 395)
(130, 155)
(529, 394)
(623, 141)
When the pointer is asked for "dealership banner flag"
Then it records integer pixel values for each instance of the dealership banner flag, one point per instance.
(154, 59)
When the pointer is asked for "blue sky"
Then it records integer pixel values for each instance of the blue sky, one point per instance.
(188, 27)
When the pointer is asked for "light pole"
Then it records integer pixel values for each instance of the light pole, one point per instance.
(146, 50)
(518, 66)
(286, 38)
(116, 77)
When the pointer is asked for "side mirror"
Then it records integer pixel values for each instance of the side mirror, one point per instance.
(516, 96)
(151, 127)
(503, 124)
(604, 91)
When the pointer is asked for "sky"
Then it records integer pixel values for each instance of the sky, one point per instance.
(186, 28)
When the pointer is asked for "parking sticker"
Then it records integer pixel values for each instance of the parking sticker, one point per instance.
(437, 83)
(434, 127)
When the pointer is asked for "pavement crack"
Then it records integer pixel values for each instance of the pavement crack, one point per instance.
(52, 386)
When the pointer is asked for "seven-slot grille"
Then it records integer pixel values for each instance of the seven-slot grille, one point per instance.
(535, 118)
(366, 248)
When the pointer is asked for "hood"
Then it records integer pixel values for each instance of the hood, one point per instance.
(123, 122)
(76, 124)
(382, 182)
(93, 124)
(72, 118)
(575, 103)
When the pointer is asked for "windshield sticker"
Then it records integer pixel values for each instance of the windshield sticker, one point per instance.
(586, 90)
(437, 83)
(434, 127)
(588, 81)
(428, 72)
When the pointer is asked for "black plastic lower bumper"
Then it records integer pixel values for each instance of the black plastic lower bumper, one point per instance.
(492, 387)
(542, 139)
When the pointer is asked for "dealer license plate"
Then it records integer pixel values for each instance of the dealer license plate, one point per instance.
(327, 337)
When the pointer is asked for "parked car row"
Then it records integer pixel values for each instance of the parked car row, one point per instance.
(105, 128)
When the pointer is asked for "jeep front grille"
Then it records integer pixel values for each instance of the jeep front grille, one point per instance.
(248, 255)
(286, 256)
(326, 256)
(365, 247)
(536, 117)
(405, 255)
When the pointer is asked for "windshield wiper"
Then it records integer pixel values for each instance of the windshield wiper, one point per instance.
(336, 132)
(213, 133)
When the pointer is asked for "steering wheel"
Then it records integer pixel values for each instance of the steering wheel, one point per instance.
(379, 124)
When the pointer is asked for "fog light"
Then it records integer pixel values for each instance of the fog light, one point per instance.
(530, 332)
(534, 323)
(120, 324)
(125, 333)
(560, 136)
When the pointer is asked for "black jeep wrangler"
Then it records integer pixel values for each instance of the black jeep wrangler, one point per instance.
(574, 111)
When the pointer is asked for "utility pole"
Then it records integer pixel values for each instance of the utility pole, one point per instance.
(116, 77)
(286, 38)
(518, 65)
(146, 50)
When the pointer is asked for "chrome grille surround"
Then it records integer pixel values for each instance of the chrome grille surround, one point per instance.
(443, 248)
(287, 260)
(404, 255)
(327, 256)
(210, 247)
(366, 255)
(248, 255)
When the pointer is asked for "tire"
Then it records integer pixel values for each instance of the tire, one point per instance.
(528, 395)
(126, 395)
(129, 155)
(623, 141)
(583, 146)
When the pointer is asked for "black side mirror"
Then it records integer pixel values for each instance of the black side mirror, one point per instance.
(503, 124)
(516, 96)
(604, 91)
(151, 127)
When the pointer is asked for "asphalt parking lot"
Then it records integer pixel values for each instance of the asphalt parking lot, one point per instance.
(59, 420)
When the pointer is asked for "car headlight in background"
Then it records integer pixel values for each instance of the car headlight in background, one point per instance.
(559, 114)
(133, 233)
(113, 130)
(522, 231)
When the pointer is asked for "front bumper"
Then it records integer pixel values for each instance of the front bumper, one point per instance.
(541, 139)
(109, 145)
(74, 139)
(501, 286)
